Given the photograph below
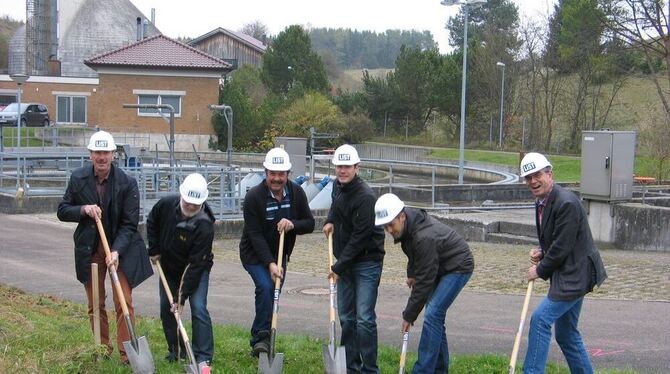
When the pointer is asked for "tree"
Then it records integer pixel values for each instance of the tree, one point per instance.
(312, 110)
(257, 29)
(290, 62)
(643, 25)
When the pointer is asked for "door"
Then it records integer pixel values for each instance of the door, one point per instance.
(596, 164)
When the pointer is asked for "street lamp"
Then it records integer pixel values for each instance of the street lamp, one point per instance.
(20, 79)
(502, 100)
(461, 149)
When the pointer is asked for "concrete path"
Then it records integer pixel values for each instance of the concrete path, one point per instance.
(36, 256)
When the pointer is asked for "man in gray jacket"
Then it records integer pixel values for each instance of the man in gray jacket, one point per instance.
(567, 256)
(440, 264)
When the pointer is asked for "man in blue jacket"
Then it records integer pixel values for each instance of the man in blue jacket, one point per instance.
(180, 231)
(439, 265)
(103, 191)
(275, 205)
(358, 246)
(569, 258)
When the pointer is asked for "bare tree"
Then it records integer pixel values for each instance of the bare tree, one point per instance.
(257, 29)
(642, 24)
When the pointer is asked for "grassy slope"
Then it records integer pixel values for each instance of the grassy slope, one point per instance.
(42, 334)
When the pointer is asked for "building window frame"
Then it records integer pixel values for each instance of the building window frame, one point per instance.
(71, 101)
(159, 97)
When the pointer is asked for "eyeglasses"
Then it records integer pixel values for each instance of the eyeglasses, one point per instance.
(536, 175)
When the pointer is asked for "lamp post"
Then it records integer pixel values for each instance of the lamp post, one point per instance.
(228, 115)
(502, 100)
(461, 149)
(20, 79)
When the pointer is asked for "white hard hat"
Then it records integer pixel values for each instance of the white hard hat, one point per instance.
(345, 155)
(387, 208)
(277, 160)
(532, 163)
(194, 189)
(101, 141)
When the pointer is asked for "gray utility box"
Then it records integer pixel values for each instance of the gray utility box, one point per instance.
(608, 158)
(297, 150)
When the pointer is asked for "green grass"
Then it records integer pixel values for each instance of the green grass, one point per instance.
(43, 334)
(28, 139)
(566, 168)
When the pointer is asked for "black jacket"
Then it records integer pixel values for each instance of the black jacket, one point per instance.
(433, 250)
(260, 238)
(570, 258)
(120, 215)
(355, 238)
(185, 244)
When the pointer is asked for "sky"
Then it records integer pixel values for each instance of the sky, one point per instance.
(193, 18)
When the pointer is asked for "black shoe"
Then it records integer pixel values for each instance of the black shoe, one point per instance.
(262, 346)
(171, 357)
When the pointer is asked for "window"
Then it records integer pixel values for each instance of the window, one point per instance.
(174, 100)
(71, 109)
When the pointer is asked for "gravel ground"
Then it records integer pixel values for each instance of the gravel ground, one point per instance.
(499, 268)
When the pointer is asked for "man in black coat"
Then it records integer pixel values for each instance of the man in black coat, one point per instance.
(275, 205)
(358, 246)
(567, 256)
(103, 191)
(440, 264)
(180, 231)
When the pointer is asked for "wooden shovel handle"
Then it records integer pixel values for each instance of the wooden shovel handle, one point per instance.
(166, 287)
(517, 339)
(331, 281)
(112, 269)
(280, 256)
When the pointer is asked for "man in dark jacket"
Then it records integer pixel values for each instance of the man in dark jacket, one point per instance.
(567, 256)
(180, 231)
(273, 206)
(358, 246)
(440, 264)
(103, 191)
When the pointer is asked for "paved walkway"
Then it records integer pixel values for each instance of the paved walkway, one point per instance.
(635, 333)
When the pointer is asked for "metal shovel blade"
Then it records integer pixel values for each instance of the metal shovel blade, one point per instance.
(266, 367)
(140, 359)
(191, 369)
(334, 360)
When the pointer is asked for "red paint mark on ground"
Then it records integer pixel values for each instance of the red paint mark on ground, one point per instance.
(597, 352)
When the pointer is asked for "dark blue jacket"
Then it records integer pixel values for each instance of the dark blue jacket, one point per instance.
(185, 244)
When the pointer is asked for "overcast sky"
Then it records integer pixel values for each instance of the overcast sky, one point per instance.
(196, 17)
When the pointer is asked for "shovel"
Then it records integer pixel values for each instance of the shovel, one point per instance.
(403, 352)
(334, 357)
(517, 339)
(192, 368)
(137, 350)
(274, 363)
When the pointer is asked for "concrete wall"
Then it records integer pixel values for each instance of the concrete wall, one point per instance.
(642, 227)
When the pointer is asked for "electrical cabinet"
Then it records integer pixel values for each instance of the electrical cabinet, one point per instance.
(297, 150)
(608, 159)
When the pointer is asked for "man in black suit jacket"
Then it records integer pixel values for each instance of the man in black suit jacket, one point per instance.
(103, 191)
(569, 258)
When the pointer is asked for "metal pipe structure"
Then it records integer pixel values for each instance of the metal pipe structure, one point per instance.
(173, 185)
(20, 79)
(227, 111)
(461, 147)
(502, 100)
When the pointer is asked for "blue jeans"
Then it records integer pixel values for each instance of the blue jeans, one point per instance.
(265, 289)
(356, 300)
(433, 347)
(565, 314)
(203, 340)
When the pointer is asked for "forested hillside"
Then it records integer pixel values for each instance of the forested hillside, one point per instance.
(366, 49)
(8, 27)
